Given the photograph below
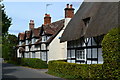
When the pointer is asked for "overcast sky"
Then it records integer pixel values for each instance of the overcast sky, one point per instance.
(22, 12)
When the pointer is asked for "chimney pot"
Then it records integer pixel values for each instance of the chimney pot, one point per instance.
(67, 6)
(71, 6)
(47, 19)
(69, 11)
(31, 24)
(31, 21)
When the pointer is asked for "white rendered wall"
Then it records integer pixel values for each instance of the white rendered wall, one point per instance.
(57, 50)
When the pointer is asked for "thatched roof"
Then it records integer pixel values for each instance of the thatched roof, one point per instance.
(103, 17)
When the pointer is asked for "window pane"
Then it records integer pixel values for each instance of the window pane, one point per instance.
(72, 53)
(72, 61)
(94, 62)
(100, 58)
(43, 56)
(79, 55)
(68, 53)
(89, 53)
(94, 52)
(88, 62)
(93, 41)
(33, 55)
(68, 61)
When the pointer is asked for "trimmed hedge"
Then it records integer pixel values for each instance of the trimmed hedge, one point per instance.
(30, 62)
(111, 54)
(34, 63)
(75, 71)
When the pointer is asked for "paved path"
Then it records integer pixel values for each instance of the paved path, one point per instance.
(17, 72)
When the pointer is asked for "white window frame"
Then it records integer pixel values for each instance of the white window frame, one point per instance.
(80, 55)
(43, 56)
(44, 39)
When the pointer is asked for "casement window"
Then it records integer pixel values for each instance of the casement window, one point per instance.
(33, 54)
(71, 61)
(26, 55)
(80, 55)
(68, 54)
(43, 56)
(26, 42)
(86, 21)
(33, 40)
(71, 53)
(44, 38)
(43, 46)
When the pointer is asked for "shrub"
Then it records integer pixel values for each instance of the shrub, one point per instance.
(34, 63)
(75, 71)
(111, 54)
(11, 62)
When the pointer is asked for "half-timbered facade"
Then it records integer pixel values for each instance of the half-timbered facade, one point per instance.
(44, 42)
(85, 32)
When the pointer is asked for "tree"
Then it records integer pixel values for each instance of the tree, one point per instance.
(6, 22)
(6, 42)
(8, 50)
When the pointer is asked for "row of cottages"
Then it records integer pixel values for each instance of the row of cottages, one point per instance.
(44, 42)
(86, 30)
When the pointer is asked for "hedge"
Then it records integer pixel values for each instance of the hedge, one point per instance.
(111, 54)
(76, 71)
(30, 62)
(34, 63)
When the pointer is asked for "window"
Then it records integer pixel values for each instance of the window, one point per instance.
(86, 21)
(89, 53)
(33, 55)
(33, 40)
(44, 38)
(43, 46)
(71, 53)
(80, 55)
(26, 42)
(94, 52)
(43, 56)
(68, 53)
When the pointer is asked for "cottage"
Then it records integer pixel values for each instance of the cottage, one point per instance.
(86, 30)
(44, 42)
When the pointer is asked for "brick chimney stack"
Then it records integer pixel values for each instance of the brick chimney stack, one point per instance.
(31, 24)
(69, 11)
(47, 19)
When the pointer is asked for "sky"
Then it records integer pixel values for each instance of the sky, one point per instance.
(22, 12)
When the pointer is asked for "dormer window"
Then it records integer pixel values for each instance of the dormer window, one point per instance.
(86, 21)
(26, 42)
(44, 38)
(33, 40)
